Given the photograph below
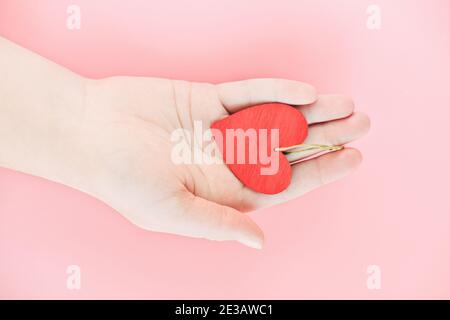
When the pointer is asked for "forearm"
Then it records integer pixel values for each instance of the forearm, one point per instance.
(41, 106)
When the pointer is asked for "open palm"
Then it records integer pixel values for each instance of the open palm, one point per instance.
(124, 137)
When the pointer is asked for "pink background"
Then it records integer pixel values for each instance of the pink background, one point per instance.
(394, 212)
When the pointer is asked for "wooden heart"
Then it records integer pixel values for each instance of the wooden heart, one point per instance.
(263, 124)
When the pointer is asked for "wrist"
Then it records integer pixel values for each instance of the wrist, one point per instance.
(39, 129)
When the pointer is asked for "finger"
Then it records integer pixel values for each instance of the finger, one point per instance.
(311, 174)
(327, 107)
(206, 219)
(240, 94)
(336, 132)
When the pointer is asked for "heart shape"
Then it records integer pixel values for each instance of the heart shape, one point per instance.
(236, 134)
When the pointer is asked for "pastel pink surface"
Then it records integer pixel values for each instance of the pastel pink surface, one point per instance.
(393, 212)
(292, 129)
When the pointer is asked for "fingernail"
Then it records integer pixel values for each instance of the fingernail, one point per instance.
(255, 243)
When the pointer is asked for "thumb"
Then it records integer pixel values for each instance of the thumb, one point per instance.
(206, 219)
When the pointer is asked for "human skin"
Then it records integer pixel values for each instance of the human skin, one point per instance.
(110, 138)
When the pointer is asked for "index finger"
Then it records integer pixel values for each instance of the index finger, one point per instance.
(237, 95)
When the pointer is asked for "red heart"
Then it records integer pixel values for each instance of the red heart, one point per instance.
(292, 130)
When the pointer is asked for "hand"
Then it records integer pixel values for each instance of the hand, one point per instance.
(111, 139)
(125, 146)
